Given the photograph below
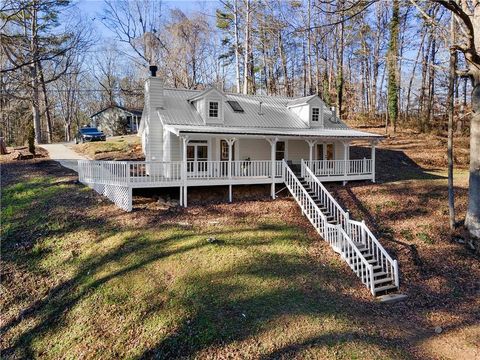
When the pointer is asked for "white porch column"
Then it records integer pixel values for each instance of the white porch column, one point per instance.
(346, 149)
(273, 144)
(373, 143)
(230, 143)
(184, 169)
(311, 144)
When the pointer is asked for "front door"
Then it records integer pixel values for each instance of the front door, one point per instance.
(320, 154)
(197, 156)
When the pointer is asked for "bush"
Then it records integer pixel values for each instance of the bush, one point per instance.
(31, 139)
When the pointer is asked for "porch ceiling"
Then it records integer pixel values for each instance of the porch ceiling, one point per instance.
(268, 132)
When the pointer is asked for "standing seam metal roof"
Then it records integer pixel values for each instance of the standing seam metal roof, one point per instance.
(275, 114)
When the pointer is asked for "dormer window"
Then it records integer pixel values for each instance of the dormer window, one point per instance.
(213, 109)
(315, 114)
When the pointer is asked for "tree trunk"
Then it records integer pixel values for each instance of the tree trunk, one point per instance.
(472, 219)
(283, 57)
(246, 70)
(451, 111)
(309, 49)
(340, 55)
(431, 91)
(392, 91)
(47, 107)
(34, 72)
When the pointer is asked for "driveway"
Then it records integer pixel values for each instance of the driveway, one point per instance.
(63, 155)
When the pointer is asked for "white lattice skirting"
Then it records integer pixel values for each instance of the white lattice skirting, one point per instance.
(119, 195)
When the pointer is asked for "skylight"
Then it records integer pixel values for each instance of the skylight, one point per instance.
(235, 106)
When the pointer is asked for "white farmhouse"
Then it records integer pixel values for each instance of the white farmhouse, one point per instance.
(208, 129)
(210, 138)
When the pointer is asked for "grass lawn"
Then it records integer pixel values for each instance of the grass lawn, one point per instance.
(83, 279)
(127, 147)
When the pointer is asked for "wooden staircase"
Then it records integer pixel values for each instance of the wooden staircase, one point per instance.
(354, 241)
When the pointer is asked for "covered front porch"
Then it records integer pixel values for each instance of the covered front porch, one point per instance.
(192, 158)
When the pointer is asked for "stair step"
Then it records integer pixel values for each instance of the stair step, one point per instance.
(378, 274)
(385, 288)
(381, 281)
(376, 269)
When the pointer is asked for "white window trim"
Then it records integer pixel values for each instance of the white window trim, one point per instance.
(218, 109)
(311, 115)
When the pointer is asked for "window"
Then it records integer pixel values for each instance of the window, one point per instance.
(315, 114)
(224, 151)
(280, 150)
(197, 153)
(236, 107)
(213, 109)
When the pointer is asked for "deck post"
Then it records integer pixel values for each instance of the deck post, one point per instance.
(230, 143)
(311, 144)
(373, 160)
(273, 144)
(184, 170)
(346, 149)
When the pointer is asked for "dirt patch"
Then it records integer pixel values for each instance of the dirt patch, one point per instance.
(40, 153)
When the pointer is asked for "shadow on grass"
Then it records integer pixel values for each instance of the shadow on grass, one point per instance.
(241, 301)
(393, 165)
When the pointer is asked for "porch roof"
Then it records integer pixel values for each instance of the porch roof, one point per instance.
(266, 132)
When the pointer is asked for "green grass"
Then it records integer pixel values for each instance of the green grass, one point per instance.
(93, 288)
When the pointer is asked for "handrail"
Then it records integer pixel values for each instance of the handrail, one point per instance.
(306, 169)
(367, 230)
(333, 234)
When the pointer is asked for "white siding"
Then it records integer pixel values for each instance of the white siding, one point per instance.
(303, 112)
(317, 103)
(255, 149)
(297, 150)
(154, 98)
(171, 147)
(214, 121)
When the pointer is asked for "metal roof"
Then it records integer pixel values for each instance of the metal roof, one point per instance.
(300, 101)
(135, 112)
(308, 132)
(177, 110)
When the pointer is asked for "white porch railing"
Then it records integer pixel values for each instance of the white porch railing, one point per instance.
(335, 235)
(161, 173)
(128, 172)
(239, 169)
(358, 232)
(341, 167)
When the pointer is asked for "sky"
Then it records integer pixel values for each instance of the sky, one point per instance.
(93, 9)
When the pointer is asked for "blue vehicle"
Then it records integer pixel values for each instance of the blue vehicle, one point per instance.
(89, 134)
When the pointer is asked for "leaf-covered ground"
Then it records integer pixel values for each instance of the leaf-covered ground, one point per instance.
(126, 147)
(83, 279)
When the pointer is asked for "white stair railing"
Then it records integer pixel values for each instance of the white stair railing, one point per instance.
(357, 231)
(335, 235)
(339, 215)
